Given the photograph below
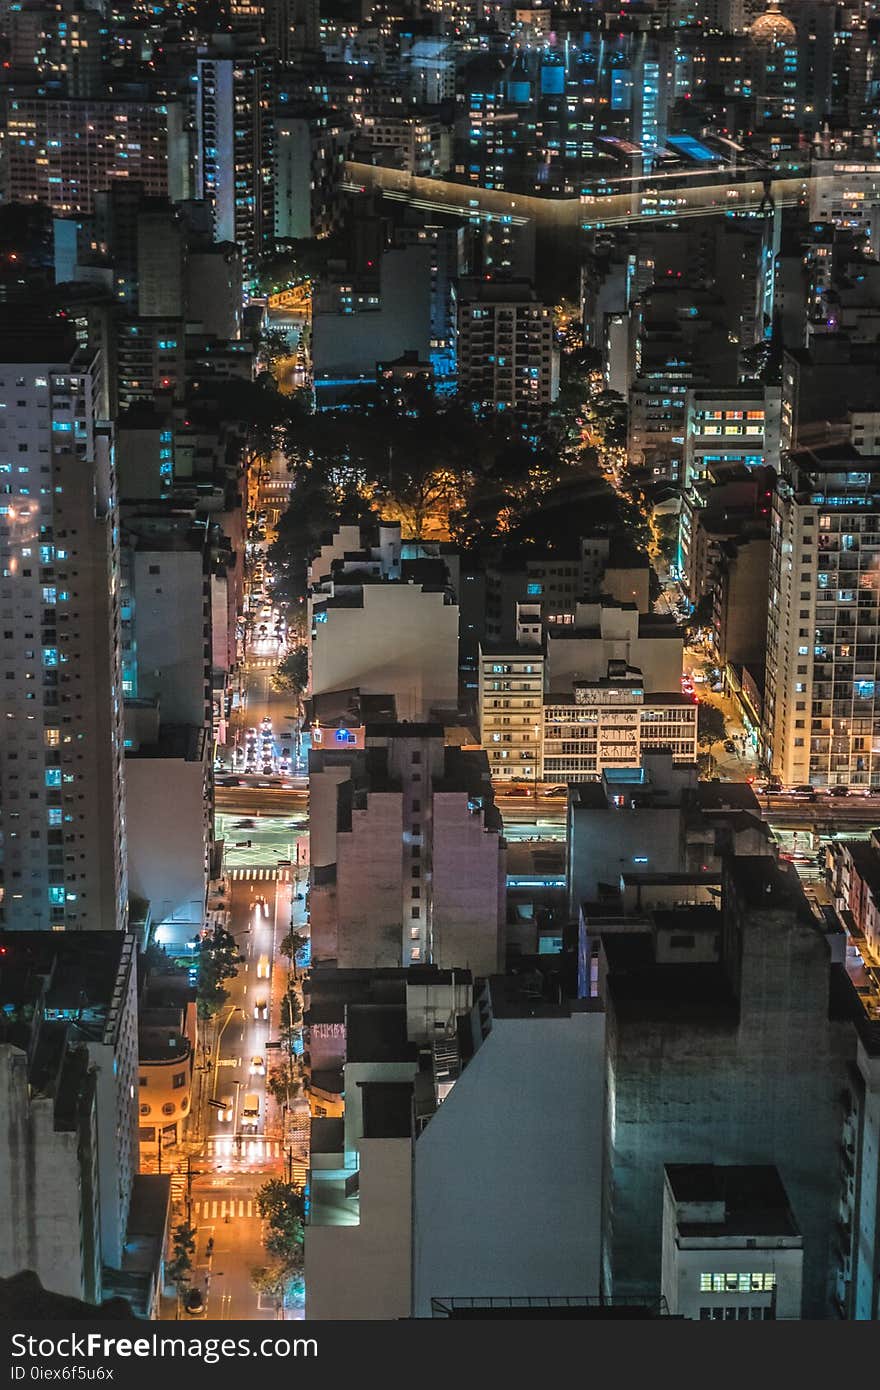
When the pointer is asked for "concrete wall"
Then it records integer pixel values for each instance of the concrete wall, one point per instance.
(45, 1202)
(403, 641)
(604, 844)
(658, 658)
(369, 885)
(687, 1087)
(169, 626)
(213, 290)
(167, 850)
(351, 344)
(469, 887)
(630, 584)
(508, 1171)
(747, 583)
(364, 1271)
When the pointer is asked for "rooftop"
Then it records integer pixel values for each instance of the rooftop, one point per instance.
(747, 1200)
(81, 968)
(377, 1033)
(387, 1109)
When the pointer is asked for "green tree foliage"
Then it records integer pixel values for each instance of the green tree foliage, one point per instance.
(292, 943)
(282, 1207)
(284, 1082)
(293, 672)
(275, 343)
(710, 725)
(218, 961)
(183, 1244)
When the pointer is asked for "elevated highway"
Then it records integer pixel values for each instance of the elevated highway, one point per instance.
(653, 197)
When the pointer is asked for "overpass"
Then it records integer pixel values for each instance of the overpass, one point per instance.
(682, 194)
(827, 815)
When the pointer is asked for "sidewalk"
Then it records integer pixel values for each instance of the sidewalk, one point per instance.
(293, 1134)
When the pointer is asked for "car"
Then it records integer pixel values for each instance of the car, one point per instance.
(284, 766)
(194, 1303)
(261, 1009)
(262, 629)
(228, 1110)
(555, 791)
(729, 745)
(258, 1066)
(839, 791)
(250, 1111)
(265, 722)
(263, 968)
(267, 769)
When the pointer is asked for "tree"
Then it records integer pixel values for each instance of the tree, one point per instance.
(666, 527)
(184, 1247)
(293, 672)
(284, 1082)
(275, 344)
(291, 945)
(218, 961)
(701, 616)
(279, 1280)
(282, 1206)
(291, 1006)
(710, 725)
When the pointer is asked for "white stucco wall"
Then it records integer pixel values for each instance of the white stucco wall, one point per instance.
(508, 1171)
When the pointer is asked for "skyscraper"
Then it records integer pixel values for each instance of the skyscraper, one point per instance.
(234, 146)
(821, 714)
(62, 816)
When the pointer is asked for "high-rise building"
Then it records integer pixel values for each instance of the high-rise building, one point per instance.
(732, 1251)
(61, 784)
(309, 150)
(822, 704)
(733, 424)
(382, 626)
(407, 853)
(62, 996)
(234, 170)
(507, 359)
(734, 1004)
(62, 152)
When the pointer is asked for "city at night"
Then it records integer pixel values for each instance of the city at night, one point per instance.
(439, 676)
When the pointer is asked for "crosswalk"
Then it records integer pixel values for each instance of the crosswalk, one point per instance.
(213, 1210)
(251, 875)
(248, 1149)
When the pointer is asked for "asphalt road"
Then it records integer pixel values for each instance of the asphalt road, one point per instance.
(260, 841)
(261, 801)
(236, 1161)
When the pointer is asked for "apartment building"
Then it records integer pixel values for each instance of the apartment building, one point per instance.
(730, 425)
(821, 712)
(62, 799)
(407, 853)
(506, 354)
